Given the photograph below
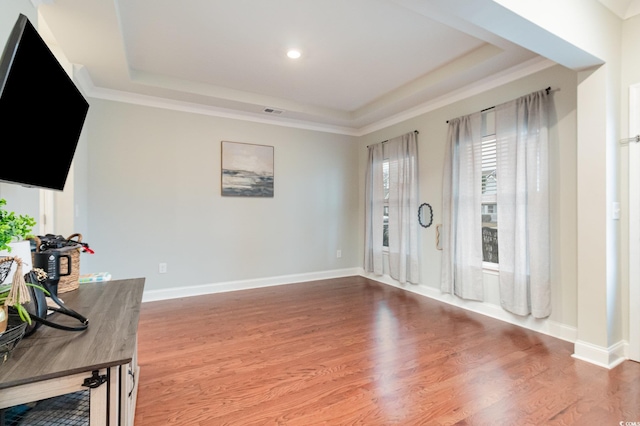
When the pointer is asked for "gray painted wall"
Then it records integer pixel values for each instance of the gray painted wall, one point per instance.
(154, 196)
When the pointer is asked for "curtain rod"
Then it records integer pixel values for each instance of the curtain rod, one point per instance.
(415, 131)
(548, 89)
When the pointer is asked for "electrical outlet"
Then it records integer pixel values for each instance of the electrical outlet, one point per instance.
(339, 254)
(162, 268)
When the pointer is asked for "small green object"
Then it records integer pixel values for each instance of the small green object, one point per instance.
(24, 314)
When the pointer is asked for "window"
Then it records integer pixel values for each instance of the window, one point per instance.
(489, 192)
(385, 214)
(496, 205)
(391, 189)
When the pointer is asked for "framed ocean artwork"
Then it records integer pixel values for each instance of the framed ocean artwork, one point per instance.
(247, 170)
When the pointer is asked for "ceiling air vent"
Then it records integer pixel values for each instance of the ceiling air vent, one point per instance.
(273, 111)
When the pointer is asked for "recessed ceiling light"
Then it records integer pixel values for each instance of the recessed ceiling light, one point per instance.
(294, 54)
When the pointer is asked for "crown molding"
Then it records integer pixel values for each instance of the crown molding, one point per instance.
(523, 70)
(527, 68)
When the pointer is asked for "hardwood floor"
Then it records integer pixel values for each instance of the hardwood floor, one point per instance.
(351, 351)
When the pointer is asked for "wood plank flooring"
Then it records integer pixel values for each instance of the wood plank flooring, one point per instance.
(351, 351)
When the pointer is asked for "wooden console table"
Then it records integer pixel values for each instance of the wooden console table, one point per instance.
(54, 362)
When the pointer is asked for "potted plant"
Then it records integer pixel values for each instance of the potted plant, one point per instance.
(15, 232)
(13, 228)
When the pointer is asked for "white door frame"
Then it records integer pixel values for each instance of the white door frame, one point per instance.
(46, 218)
(634, 224)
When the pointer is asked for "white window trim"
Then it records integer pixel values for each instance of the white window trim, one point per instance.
(385, 202)
(490, 199)
(491, 268)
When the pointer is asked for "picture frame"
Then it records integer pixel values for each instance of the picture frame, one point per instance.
(247, 170)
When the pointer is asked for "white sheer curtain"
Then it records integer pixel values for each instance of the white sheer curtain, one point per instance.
(374, 202)
(404, 261)
(461, 209)
(523, 205)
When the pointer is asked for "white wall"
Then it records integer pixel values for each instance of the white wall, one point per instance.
(154, 196)
(630, 67)
(432, 142)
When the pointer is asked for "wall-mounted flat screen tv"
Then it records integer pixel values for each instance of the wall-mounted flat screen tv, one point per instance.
(41, 112)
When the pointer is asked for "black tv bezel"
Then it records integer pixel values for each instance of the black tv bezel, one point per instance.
(60, 154)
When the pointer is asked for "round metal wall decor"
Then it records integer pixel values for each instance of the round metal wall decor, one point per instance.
(424, 210)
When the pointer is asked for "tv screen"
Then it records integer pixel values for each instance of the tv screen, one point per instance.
(41, 112)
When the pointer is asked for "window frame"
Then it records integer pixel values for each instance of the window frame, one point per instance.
(489, 139)
(385, 203)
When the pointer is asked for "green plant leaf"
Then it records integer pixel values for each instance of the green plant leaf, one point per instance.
(13, 227)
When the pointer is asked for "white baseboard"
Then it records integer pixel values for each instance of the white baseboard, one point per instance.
(604, 357)
(197, 290)
(545, 326)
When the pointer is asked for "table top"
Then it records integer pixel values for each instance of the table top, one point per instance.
(113, 310)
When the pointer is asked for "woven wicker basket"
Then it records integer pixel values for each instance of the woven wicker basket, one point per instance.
(68, 282)
(71, 281)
